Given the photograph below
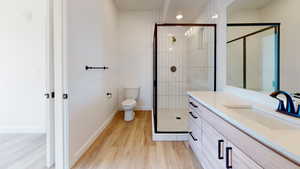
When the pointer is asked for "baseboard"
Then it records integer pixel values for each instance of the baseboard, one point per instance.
(146, 108)
(91, 140)
(141, 108)
(167, 137)
(20, 129)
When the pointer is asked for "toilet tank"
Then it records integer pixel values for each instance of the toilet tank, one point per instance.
(132, 92)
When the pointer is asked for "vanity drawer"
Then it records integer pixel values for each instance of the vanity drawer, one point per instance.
(262, 155)
(194, 117)
(195, 106)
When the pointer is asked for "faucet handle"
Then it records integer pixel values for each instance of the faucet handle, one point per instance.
(281, 107)
(298, 110)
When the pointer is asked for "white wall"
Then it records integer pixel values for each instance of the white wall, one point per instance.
(22, 70)
(92, 32)
(136, 57)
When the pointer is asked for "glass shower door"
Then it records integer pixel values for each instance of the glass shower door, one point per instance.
(185, 61)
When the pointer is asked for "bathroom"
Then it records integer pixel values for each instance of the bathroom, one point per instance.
(163, 63)
(170, 84)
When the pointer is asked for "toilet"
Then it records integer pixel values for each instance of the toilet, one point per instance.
(131, 95)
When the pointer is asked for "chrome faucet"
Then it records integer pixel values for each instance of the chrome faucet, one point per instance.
(290, 107)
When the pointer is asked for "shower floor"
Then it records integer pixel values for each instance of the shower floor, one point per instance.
(172, 120)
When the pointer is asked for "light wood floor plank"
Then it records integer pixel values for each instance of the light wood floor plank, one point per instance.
(128, 145)
(23, 151)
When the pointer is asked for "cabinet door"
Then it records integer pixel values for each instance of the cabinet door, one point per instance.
(213, 145)
(194, 136)
(236, 159)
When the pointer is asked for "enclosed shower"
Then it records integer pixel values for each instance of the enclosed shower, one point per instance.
(184, 60)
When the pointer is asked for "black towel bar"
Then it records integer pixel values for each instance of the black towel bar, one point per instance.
(93, 68)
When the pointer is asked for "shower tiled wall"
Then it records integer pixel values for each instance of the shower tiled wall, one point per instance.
(193, 57)
(171, 85)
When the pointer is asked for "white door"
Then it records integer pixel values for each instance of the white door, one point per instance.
(50, 95)
(26, 69)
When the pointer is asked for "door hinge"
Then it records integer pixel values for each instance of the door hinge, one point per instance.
(65, 96)
(52, 95)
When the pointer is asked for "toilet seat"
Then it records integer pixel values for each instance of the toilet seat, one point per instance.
(129, 103)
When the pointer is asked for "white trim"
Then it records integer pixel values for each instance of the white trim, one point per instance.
(92, 139)
(61, 115)
(167, 137)
(49, 103)
(166, 6)
(139, 108)
(22, 129)
(144, 108)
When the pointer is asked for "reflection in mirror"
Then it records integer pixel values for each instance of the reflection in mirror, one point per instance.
(253, 56)
(258, 70)
(255, 47)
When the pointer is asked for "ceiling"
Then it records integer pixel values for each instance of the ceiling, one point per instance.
(139, 4)
(190, 9)
(249, 4)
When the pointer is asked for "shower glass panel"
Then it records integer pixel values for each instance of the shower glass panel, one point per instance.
(235, 64)
(184, 61)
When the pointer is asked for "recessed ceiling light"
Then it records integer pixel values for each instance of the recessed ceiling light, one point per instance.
(179, 16)
(215, 16)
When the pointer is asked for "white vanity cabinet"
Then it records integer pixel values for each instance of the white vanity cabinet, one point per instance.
(237, 159)
(220, 153)
(219, 145)
(195, 132)
(213, 149)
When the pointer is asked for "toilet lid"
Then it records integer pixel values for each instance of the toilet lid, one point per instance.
(129, 102)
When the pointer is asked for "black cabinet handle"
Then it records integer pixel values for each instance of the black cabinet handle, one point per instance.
(221, 149)
(195, 117)
(191, 134)
(191, 103)
(229, 157)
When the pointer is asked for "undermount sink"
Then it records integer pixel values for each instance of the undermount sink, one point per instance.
(239, 106)
(262, 118)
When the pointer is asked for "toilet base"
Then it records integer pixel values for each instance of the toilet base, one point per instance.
(129, 115)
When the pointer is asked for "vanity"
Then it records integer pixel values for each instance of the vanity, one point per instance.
(223, 137)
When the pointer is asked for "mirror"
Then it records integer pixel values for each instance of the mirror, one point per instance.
(262, 43)
(253, 56)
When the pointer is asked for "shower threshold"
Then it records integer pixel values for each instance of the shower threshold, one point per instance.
(168, 135)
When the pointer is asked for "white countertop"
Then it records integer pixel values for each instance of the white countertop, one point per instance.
(273, 129)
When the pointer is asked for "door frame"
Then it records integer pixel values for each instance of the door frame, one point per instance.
(61, 104)
(50, 121)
